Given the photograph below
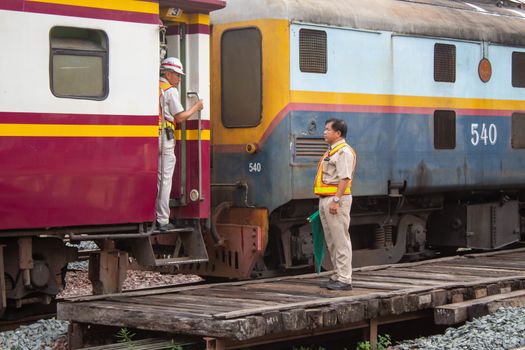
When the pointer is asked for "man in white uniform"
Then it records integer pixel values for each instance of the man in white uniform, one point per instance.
(170, 112)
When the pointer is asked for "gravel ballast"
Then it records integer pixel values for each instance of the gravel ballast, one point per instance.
(505, 329)
(41, 335)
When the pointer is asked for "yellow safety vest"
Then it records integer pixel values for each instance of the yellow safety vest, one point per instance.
(323, 189)
(163, 86)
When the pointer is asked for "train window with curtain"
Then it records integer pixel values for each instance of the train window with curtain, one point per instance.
(241, 78)
(445, 63)
(444, 129)
(312, 51)
(78, 63)
(518, 130)
(518, 69)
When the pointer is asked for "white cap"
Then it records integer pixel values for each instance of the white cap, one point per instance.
(173, 64)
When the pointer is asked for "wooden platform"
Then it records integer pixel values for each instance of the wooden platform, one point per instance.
(294, 306)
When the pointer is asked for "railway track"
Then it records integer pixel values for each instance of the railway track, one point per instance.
(12, 324)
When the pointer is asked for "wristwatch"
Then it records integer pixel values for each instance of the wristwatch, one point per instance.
(336, 199)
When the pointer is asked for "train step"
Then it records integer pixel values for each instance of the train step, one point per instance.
(176, 230)
(188, 249)
(179, 261)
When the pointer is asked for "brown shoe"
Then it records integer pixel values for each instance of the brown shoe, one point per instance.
(338, 285)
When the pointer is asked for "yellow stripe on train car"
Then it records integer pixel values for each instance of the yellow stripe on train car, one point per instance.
(319, 97)
(61, 130)
(122, 5)
(193, 135)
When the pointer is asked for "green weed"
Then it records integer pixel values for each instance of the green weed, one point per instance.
(124, 335)
(383, 342)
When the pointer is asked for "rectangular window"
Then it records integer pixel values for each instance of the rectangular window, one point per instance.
(444, 129)
(312, 51)
(79, 63)
(241, 78)
(518, 69)
(445, 63)
(518, 130)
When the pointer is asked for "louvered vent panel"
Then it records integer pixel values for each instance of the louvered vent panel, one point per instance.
(310, 147)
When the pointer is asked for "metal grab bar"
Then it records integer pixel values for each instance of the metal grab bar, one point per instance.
(199, 144)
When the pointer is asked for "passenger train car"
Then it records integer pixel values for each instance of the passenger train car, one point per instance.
(79, 138)
(432, 91)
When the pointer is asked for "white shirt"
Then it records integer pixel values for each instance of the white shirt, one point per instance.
(171, 102)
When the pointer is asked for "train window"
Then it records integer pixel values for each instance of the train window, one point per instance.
(78, 63)
(241, 78)
(312, 51)
(445, 63)
(518, 69)
(444, 129)
(518, 130)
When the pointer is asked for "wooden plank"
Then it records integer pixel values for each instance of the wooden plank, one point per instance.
(323, 302)
(416, 274)
(252, 294)
(315, 291)
(488, 263)
(294, 320)
(498, 252)
(211, 300)
(182, 305)
(190, 310)
(288, 288)
(458, 312)
(394, 305)
(468, 270)
(381, 283)
(419, 301)
(274, 322)
(315, 318)
(393, 279)
(479, 310)
(82, 313)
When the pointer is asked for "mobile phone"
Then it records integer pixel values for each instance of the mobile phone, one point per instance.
(169, 133)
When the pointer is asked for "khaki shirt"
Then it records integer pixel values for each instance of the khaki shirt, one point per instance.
(340, 166)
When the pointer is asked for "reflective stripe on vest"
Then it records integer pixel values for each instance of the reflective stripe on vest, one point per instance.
(323, 189)
(163, 86)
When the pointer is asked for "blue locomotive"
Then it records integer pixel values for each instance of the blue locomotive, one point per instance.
(433, 92)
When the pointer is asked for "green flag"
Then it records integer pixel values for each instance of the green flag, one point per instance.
(318, 239)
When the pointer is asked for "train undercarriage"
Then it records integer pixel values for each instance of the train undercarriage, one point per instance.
(387, 230)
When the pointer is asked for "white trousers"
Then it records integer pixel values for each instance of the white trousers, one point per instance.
(165, 178)
(337, 237)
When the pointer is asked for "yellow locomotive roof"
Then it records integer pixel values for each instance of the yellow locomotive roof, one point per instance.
(479, 20)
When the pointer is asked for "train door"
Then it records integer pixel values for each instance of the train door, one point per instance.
(187, 37)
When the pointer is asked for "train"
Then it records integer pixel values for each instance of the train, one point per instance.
(432, 91)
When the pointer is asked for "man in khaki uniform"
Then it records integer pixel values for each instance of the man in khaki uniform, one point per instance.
(333, 186)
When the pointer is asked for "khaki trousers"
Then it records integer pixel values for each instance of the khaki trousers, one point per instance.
(337, 237)
(165, 177)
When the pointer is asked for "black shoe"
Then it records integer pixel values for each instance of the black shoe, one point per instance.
(167, 227)
(338, 285)
(324, 284)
